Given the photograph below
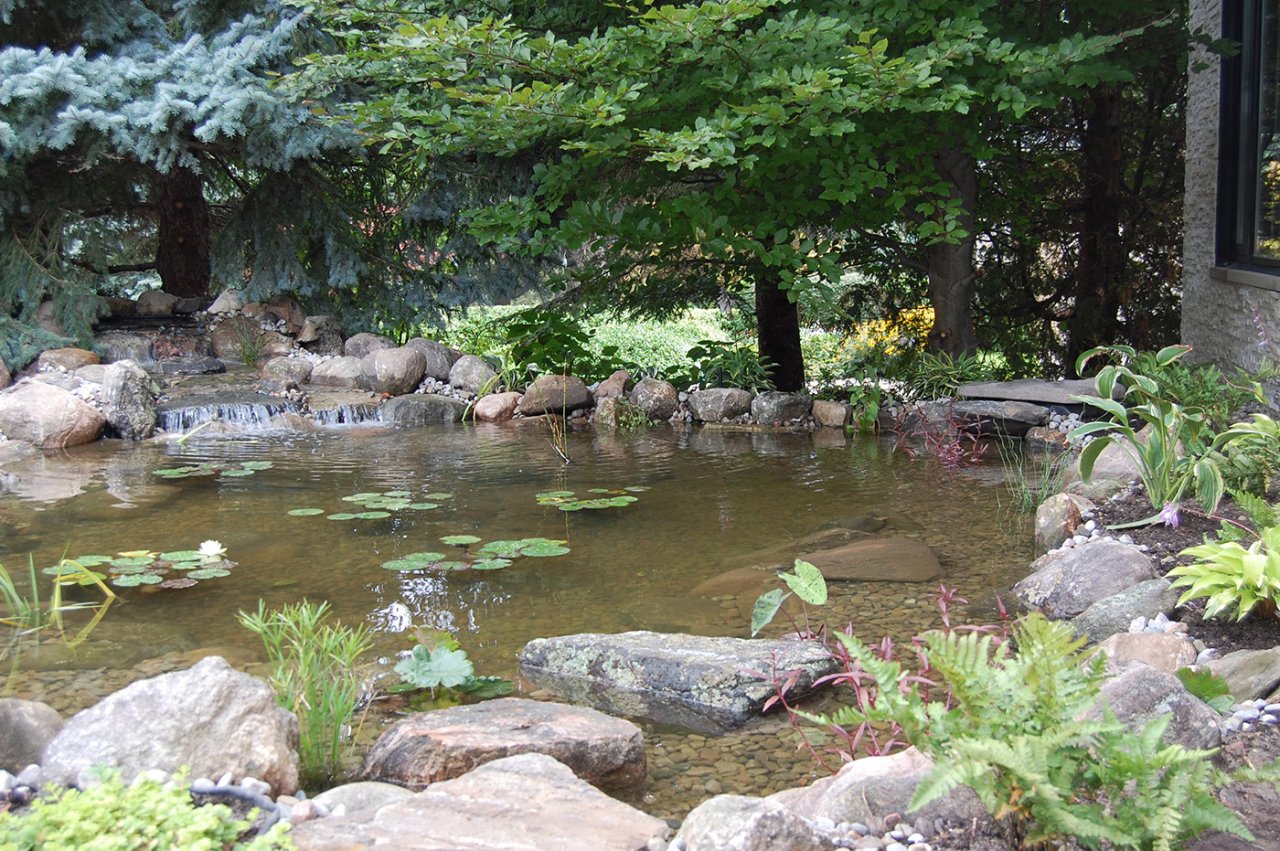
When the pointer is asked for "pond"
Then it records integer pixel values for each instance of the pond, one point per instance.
(707, 498)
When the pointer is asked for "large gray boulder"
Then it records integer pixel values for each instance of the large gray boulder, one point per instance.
(1066, 582)
(717, 404)
(209, 718)
(287, 370)
(359, 345)
(831, 414)
(47, 416)
(432, 746)
(1008, 417)
(129, 400)
(740, 823)
(1114, 614)
(1139, 694)
(528, 802)
(338, 372)
(555, 393)
(774, 407)
(471, 374)
(657, 398)
(1250, 674)
(26, 728)
(393, 371)
(878, 560)
(422, 409)
(438, 358)
(694, 681)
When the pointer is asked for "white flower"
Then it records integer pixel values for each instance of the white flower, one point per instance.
(212, 550)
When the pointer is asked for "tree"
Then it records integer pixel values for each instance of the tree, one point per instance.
(147, 138)
(689, 148)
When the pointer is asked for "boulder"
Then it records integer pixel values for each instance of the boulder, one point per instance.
(188, 305)
(1066, 582)
(157, 303)
(1164, 652)
(1057, 519)
(432, 746)
(1114, 614)
(695, 681)
(196, 365)
(830, 414)
(555, 393)
(69, 358)
(774, 407)
(870, 789)
(422, 409)
(528, 802)
(286, 370)
(496, 407)
(658, 399)
(5, 378)
(1113, 462)
(359, 345)
(1008, 418)
(471, 374)
(614, 387)
(878, 560)
(93, 373)
(393, 371)
(321, 335)
(26, 727)
(1046, 439)
(613, 413)
(1249, 674)
(209, 718)
(129, 400)
(1139, 694)
(49, 417)
(717, 404)
(338, 372)
(438, 358)
(1030, 390)
(288, 310)
(740, 823)
(237, 338)
(228, 301)
(362, 795)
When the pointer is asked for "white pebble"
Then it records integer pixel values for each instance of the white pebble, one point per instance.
(226, 779)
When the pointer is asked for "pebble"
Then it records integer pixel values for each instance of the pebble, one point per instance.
(253, 784)
(7, 781)
(226, 779)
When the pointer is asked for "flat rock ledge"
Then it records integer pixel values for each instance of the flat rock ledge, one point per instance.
(433, 746)
(704, 684)
(528, 802)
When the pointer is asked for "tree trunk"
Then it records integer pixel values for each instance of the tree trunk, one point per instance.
(951, 273)
(778, 327)
(182, 255)
(1100, 269)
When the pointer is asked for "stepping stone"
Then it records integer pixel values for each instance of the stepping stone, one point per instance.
(1030, 390)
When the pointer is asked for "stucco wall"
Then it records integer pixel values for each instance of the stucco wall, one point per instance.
(1220, 317)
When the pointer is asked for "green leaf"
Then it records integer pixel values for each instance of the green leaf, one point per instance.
(491, 564)
(766, 609)
(180, 555)
(405, 565)
(209, 573)
(444, 667)
(807, 582)
(133, 580)
(341, 515)
(460, 540)
(373, 515)
(423, 557)
(1089, 456)
(306, 512)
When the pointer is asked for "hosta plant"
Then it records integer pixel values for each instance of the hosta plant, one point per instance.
(1230, 577)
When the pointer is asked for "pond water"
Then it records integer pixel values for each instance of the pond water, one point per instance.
(712, 497)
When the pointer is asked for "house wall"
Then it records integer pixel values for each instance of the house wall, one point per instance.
(1222, 308)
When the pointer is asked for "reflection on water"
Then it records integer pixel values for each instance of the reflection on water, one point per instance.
(714, 496)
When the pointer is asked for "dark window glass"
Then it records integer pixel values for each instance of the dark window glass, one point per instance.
(1266, 172)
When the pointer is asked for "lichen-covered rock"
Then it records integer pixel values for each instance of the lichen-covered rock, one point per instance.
(1139, 694)
(716, 404)
(47, 416)
(694, 681)
(432, 746)
(1066, 582)
(554, 394)
(129, 400)
(210, 719)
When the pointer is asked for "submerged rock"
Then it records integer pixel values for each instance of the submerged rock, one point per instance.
(432, 746)
(692, 681)
(878, 560)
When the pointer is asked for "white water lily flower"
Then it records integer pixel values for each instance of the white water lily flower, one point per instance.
(212, 550)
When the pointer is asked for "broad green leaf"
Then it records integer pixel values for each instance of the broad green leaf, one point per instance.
(766, 608)
(807, 582)
(444, 667)
(306, 512)
(460, 540)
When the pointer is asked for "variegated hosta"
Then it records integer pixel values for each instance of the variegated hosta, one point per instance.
(1227, 575)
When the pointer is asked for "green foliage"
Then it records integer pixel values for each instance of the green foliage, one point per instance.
(443, 667)
(1018, 727)
(1229, 576)
(1202, 387)
(439, 666)
(804, 580)
(599, 498)
(938, 375)
(543, 340)
(718, 364)
(1172, 452)
(21, 344)
(495, 555)
(316, 675)
(1031, 478)
(25, 613)
(1249, 452)
(1208, 686)
(146, 814)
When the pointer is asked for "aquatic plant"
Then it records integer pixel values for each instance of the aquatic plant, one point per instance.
(377, 505)
(226, 470)
(603, 498)
(168, 570)
(438, 666)
(494, 555)
(27, 613)
(316, 676)
(805, 582)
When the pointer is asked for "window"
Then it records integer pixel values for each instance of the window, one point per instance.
(1249, 231)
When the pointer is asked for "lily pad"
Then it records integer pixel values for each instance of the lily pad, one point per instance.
(404, 565)
(437, 496)
(451, 565)
(373, 515)
(460, 540)
(179, 582)
(423, 506)
(91, 561)
(132, 561)
(398, 493)
(424, 558)
(306, 512)
(133, 580)
(209, 573)
(544, 550)
(235, 474)
(257, 465)
(342, 515)
(555, 495)
(491, 564)
(182, 555)
(504, 549)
